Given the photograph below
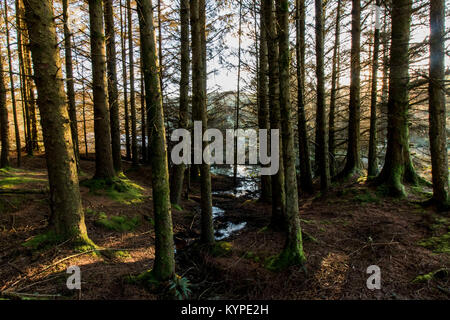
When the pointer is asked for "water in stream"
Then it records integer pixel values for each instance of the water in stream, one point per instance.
(247, 186)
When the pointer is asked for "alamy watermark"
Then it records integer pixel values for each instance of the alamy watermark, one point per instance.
(213, 153)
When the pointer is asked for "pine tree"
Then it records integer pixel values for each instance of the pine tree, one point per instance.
(4, 121)
(113, 92)
(67, 216)
(438, 132)
(103, 153)
(178, 174)
(199, 112)
(278, 191)
(164, 266)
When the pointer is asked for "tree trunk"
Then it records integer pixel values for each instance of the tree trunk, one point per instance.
(238, 94)
(125, 82)
(4, 121)
(438, 132)
(67, 216)
(397, 154)
(293, 251)
(353, 163)
(199, 112)
(12, 89)
(31, 95)
(278, 191)
(178, 174)
(164, 266)
(134, 147)
(113, 92)
(23, 79)
(372, 169)
(321, 144)
(263, 106)
(143, 123)
(70, 81)
(306, 183)
(334, 92)
(104, 168)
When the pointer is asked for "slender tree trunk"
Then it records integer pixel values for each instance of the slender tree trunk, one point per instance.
(178, 174)
(84, 119)
(397, 154)
(113, 92)
(23, 81)
(334, 92)
(263, 105)
(353, 163)
(278, 191)
(321, 147)
(385, 87)
(67, 217)
(125, 82)
(164, 266)
(4, 120)
(293, 252)
(143, 123)
(238, 93)
(199, 111)
(134, 147)
(306, 183)
(438, 131)
(104, 168)
(12, 89)
(70, 83)
(30, 88)
(160, 49)
(372, 169)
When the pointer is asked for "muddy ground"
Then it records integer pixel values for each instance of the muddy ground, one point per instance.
(345, 232)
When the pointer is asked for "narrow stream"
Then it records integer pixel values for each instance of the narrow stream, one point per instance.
(247, 186)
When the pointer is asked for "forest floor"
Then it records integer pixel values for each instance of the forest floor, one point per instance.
(347, 231)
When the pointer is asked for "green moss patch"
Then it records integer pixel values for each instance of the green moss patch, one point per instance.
(119, 189)
(42, 241)
(117, 223)
(440, 274)
(221, 249)
(440, 241)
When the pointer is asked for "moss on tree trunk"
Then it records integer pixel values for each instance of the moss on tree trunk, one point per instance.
(67, 216)
(164, 265)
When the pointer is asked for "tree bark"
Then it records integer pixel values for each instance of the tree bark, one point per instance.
(263, 106)
(104, 168)
(134, 147)
(372, 169)
(334, 92)
(306, 183)
(125, 82)
(293, 251)
(4, 120)
(353, 163)
(12, 89)
(438, 132)
(178, 174)
(67, 217)
(321, 145)
(113, 92)
(397, 159)
(199, 111)
(164, 266)
(278, 191)
(70, 84)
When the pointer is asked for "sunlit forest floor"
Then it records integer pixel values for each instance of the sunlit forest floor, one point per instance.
(345, 232)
